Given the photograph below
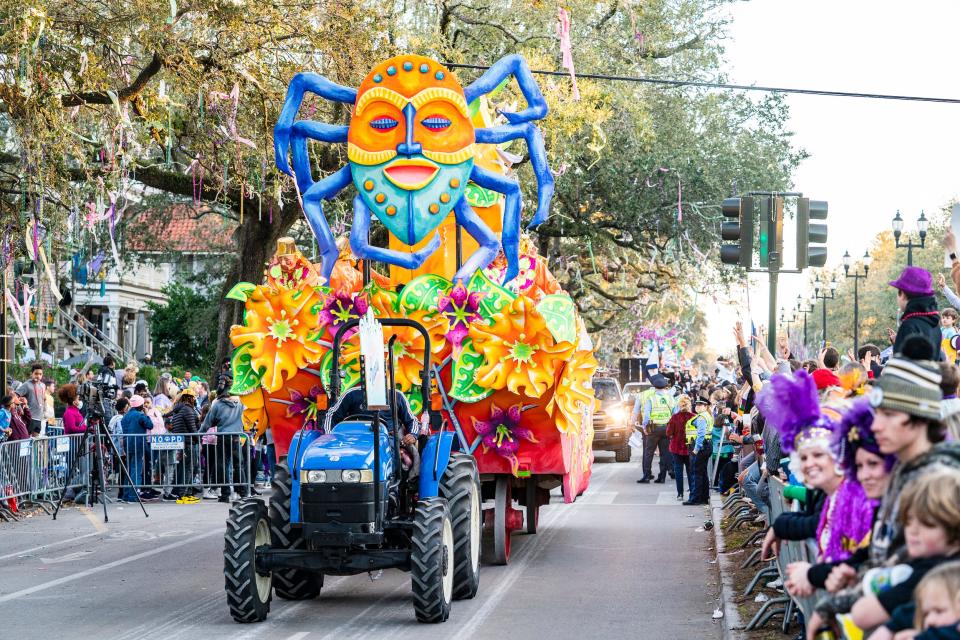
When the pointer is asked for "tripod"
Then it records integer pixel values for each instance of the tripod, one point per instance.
(97, 487)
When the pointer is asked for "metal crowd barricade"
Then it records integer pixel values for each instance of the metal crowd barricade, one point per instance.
(58, 464)
(35, 470)
(177, 462)
(790, 551)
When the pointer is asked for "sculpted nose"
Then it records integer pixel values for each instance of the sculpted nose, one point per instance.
(409, 147)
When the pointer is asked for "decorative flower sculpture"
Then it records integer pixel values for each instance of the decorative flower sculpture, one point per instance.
(339, 308)
(283, 329)
(254, 411)
(306, 405)
(518, 350)
(502, 433)
(408, 350)
(461, 308)
(573, 392)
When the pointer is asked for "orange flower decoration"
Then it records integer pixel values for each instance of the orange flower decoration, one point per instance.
(408, 350)
(283, 327)
(573, 392)
(518, 350)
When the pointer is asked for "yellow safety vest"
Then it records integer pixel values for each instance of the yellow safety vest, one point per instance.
(691, 428)
(661, 408)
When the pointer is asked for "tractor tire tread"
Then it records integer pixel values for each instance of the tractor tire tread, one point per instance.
(426, 561)
(456, 486)
(238, 570)
(289, 584)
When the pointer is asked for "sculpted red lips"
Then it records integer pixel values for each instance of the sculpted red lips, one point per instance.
(411, 174)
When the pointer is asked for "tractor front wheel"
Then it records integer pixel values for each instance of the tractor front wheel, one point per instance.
(431, 560)
(460, 486)
(289, 584)
(248, 591)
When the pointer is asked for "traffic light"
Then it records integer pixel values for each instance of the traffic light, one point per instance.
(809, 234)
(738, 226)
(770, 222)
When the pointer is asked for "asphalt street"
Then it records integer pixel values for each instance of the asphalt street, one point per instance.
(624, 561)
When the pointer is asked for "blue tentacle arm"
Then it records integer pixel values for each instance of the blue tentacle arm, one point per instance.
(360, 243)
(487, 239)
(300, 132)
(516, 66)
(300, 84)
(538, 157)
(510, 236)
(326, 189)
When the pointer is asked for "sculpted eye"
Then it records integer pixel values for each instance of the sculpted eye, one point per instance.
(384, 124)
(436, 123)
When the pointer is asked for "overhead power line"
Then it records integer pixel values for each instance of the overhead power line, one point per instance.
(736, 87)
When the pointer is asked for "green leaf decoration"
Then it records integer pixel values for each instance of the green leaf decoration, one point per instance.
(415, 398)
(421, 293)
(560, 313)
(246, 379)
(464, 386)
(241, 291)
(477, 196)
(349, 374)
(495, 297)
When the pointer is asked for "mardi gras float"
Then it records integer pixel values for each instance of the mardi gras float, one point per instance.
(513, 363)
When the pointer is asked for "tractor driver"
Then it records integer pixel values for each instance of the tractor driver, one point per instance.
(352, 403)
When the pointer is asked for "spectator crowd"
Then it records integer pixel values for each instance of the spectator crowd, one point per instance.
(870, 442)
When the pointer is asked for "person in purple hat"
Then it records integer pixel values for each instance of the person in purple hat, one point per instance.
(918, 304)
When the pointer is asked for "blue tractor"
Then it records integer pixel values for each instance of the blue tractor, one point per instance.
(347, 501)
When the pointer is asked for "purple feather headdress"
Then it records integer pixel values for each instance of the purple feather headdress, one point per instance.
(790, 404)
(856, 432)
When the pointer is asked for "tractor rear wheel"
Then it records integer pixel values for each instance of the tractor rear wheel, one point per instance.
(289, 584)
(248, 592)
(460, 486)
(431, 560)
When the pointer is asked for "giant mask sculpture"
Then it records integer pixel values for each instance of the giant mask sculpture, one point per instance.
(411, 145)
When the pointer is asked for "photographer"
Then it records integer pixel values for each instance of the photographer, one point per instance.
(106, 384)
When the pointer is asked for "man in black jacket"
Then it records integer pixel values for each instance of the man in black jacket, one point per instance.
(918, 304)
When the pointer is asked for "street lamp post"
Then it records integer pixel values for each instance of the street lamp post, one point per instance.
(805, 308)
(910, 244)
(857, 277)
(818, 287)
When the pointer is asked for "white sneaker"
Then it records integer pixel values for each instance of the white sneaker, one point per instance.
(208, 494)
(234, 497)
(776, 584)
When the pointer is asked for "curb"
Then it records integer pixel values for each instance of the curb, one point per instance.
(732, 623)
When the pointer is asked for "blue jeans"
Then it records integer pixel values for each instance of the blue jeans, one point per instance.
(681, 464)
(751, 487)
(135, 450)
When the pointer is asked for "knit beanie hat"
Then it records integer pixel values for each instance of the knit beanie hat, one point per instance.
(911, 386)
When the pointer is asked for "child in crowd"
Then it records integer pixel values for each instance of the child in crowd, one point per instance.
(948, 331)
(930, 516)
(938, 605)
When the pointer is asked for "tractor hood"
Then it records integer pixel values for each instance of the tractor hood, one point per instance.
(348, 446)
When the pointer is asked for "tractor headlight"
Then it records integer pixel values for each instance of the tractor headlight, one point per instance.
(314, 477)
(356, 475)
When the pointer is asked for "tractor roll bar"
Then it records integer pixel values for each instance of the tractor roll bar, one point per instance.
(387, 322)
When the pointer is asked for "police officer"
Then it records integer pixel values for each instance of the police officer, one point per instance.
(699, 433)
(657, 410)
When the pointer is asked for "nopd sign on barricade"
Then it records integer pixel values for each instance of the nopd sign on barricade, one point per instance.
(167, 442)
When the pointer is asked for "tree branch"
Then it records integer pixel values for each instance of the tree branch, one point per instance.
(123, 95)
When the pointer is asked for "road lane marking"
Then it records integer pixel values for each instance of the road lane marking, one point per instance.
(105, 567)
(299, 636)
(517, 569)
(48, 545)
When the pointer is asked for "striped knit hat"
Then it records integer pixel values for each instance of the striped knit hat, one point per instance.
(912, 386)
